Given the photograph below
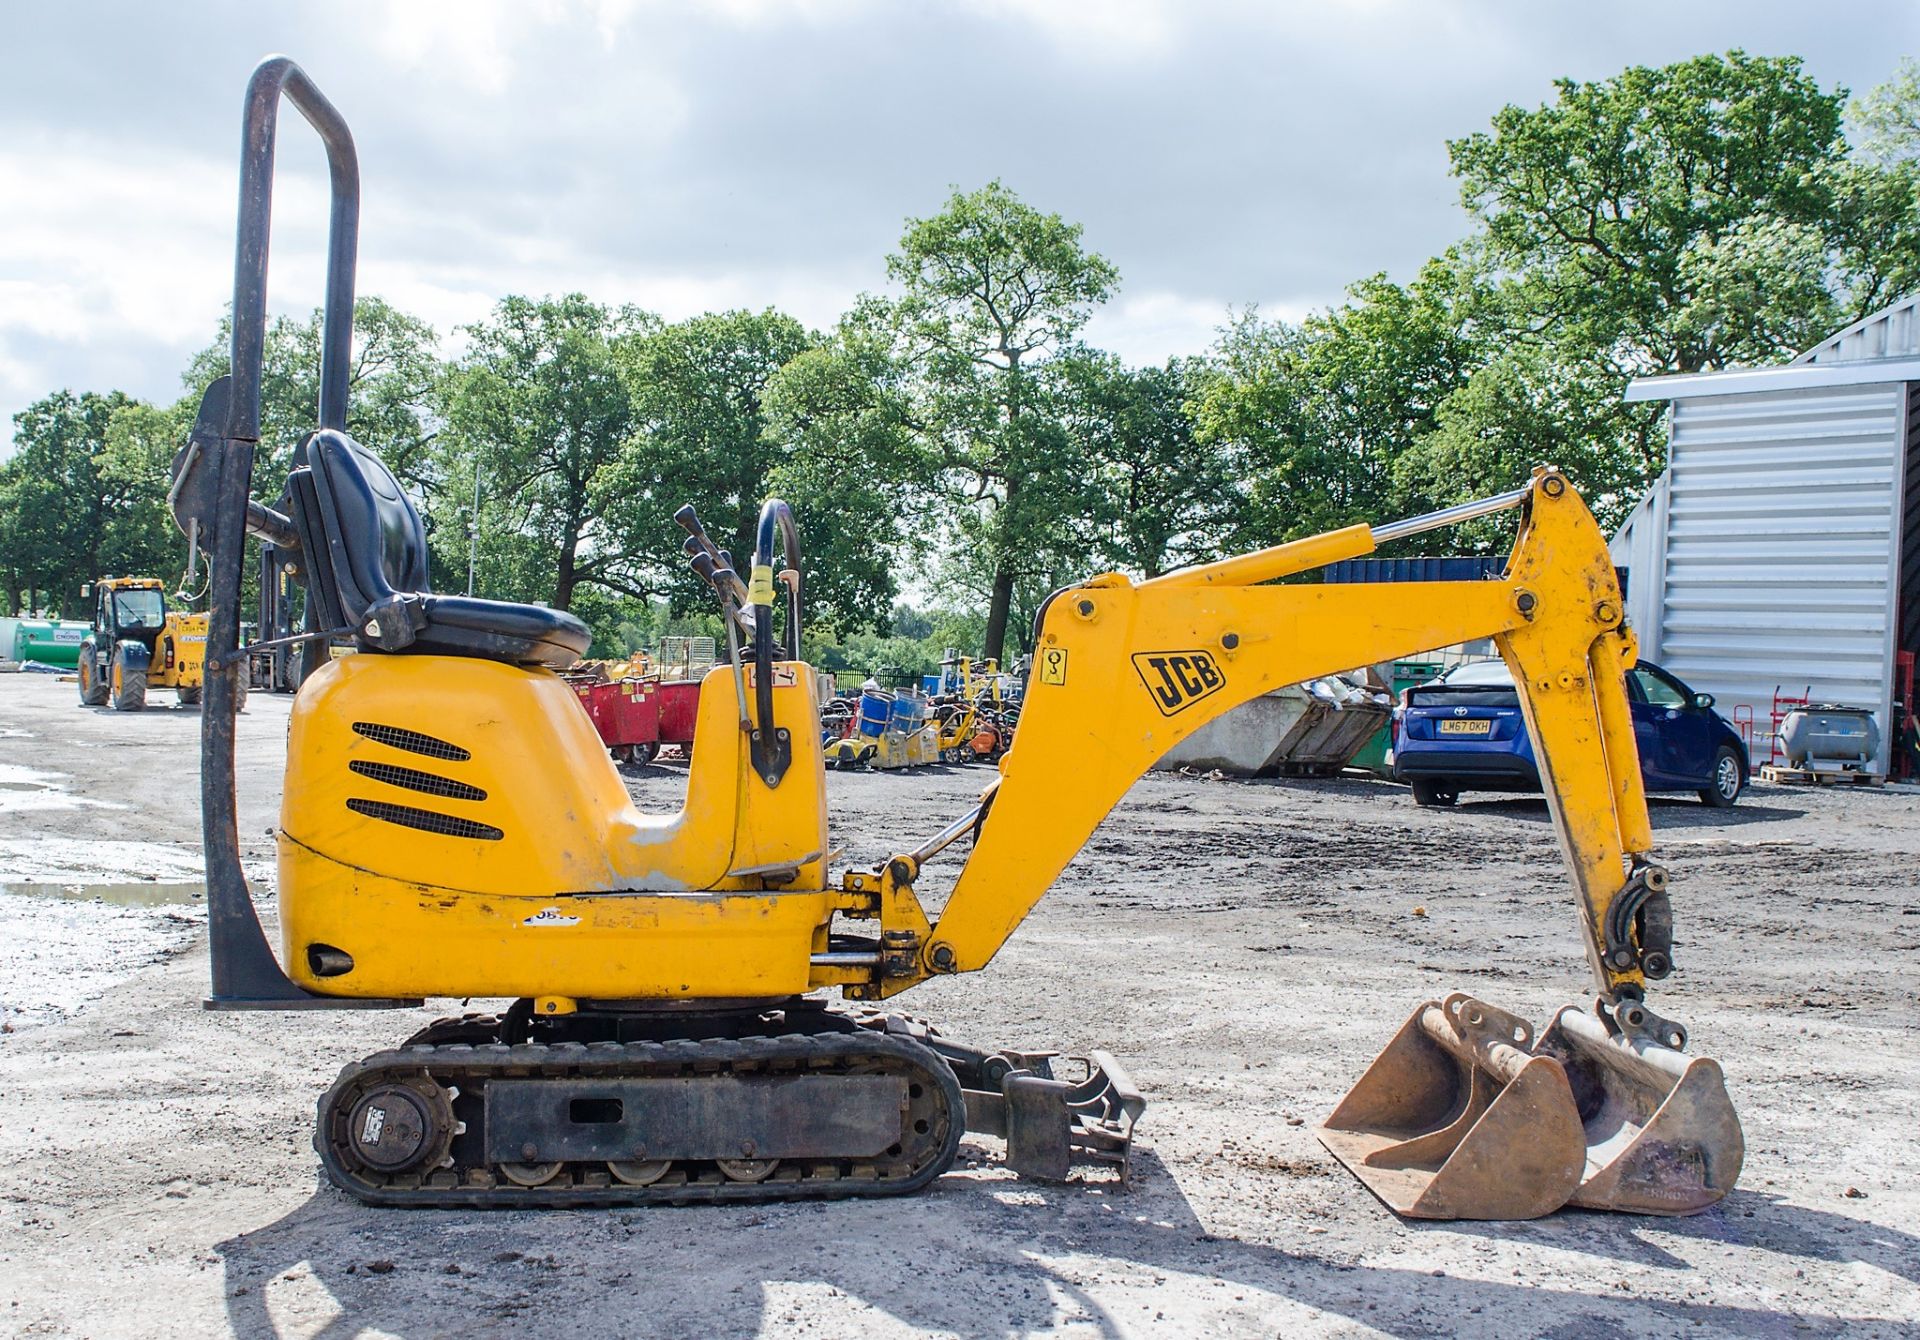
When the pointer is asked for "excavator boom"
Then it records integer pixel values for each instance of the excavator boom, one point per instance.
(1123, 671)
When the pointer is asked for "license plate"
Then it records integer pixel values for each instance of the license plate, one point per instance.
(1481, 727)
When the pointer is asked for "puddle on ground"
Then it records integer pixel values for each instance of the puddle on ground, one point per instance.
(144, 893)
(23, 789)
(128, 874)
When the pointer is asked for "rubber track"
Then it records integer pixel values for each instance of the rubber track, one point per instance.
(468, 1067)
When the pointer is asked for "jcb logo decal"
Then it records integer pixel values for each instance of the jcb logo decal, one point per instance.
(1178, 679)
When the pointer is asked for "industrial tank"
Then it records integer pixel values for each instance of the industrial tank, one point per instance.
(1829, 735)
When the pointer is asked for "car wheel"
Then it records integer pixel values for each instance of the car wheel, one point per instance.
(1726, 781)
(1434, 793)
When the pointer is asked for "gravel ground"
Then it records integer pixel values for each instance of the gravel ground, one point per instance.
(1244, 947)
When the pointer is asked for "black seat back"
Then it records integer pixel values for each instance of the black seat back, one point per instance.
(376, 543)
(367, 570)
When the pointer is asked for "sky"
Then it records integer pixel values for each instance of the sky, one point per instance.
(753, 153)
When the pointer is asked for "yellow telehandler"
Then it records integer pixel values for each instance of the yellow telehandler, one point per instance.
(452, 827)
(138, 643)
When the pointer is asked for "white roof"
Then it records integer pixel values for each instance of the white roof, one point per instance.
(1884, 347)
(1794, 377)
(1891, 332)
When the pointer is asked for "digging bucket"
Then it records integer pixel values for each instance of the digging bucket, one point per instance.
(1458, 1119)
(1661, 1134)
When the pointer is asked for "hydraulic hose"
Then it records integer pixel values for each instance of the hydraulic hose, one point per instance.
(771, 749)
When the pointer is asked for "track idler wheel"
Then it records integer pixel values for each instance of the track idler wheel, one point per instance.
(400, 1126)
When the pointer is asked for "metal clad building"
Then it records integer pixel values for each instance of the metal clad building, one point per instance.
(1769, 554)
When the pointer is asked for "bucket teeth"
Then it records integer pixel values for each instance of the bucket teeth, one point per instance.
(1661, 1135)
(1458, 1119)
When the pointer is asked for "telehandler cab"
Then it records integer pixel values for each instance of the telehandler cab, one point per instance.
(668, 1040)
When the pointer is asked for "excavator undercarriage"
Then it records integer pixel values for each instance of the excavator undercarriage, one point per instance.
(671, 1038)
(772, 1101)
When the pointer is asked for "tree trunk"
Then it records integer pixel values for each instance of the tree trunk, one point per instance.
(1002, 603)
(564, 581)
(997, 613)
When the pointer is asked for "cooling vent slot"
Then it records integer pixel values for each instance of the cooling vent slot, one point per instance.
(446, 825)
(412, 741)
(417, 781)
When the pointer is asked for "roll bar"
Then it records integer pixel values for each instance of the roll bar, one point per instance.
(245, 973)
(274, 78)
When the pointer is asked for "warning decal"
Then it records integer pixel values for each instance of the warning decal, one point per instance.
(1053, 665)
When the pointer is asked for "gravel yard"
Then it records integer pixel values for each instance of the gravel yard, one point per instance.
(1244, 947)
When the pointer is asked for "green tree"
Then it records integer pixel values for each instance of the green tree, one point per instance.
(1664, 219)
(135, 470)
(1876, 195)
(538, 407)
(1160, 499)
(1699, 216)
(700, 426)
(390, 390)
(1320, 412)
(68, 512)
(856, 466)
(989, 287)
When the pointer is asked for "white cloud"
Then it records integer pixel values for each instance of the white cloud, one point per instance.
(748, 153)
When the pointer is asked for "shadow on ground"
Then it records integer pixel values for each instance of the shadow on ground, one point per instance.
(974, 1257)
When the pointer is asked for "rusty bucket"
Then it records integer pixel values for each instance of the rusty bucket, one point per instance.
(1457, 1119)
(1661, 1134)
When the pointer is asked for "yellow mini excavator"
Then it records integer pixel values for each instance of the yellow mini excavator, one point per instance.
(452, 827)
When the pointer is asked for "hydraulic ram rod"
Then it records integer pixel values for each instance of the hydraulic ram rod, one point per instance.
(1450, 516)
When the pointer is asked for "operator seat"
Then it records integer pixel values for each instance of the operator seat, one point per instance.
(366, 561)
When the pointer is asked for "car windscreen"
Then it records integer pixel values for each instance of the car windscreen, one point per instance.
(1462, 695)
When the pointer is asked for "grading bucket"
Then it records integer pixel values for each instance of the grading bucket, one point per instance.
(1661, 1134)
(1457, 1119)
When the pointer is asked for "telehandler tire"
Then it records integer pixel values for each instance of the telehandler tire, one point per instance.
(129, 677)
(93, 686)
(189, 695)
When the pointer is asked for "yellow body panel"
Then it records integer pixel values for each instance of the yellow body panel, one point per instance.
(544, 824)
(180, 654)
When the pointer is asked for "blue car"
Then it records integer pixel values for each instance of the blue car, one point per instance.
(1464, 732)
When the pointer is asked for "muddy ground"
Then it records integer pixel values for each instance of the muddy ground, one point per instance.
(1244, 947)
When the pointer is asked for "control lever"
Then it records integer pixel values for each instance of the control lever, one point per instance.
(719, 564)
(689, 521)
(727, 588)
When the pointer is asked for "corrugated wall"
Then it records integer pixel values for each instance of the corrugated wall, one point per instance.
(1909, 636)
(1782, 528)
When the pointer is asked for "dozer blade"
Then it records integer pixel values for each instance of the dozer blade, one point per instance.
(1661, 1134)
(1457, 1120)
